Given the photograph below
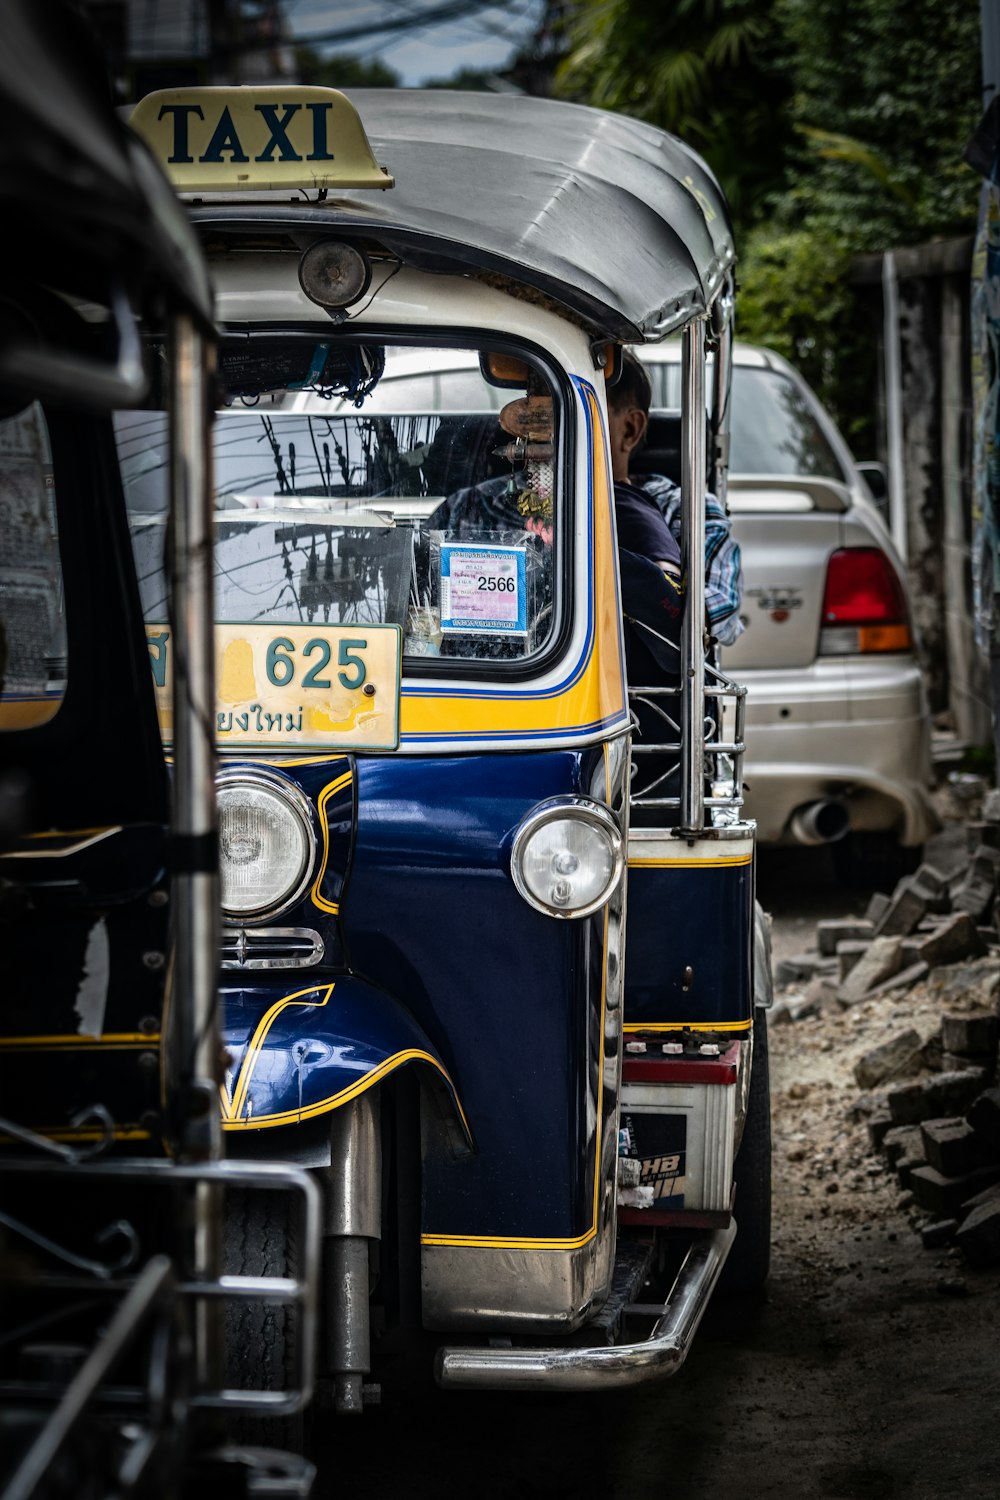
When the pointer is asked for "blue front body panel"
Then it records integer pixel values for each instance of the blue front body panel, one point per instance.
(431, 950)
(689, 947)
(512, 998)
(296, 1054)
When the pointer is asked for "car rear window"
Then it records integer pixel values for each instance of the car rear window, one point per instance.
(773, 427)
(774, 431)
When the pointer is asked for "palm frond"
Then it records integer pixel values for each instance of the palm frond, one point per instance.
(679, 79)
(731, 42)
(833, 146)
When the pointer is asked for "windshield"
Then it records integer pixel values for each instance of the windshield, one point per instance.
(360, 484)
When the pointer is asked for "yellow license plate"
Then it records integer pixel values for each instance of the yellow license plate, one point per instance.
(290, 687)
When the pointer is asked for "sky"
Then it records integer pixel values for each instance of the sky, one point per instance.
(486, 38)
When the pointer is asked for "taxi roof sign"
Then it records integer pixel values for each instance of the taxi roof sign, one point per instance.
(231, 140)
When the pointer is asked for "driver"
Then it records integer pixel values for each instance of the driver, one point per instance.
(637, 496)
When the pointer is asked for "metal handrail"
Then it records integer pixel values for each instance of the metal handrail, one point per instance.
(302, 1288)
(713, 746)
(697, 754)
(693, 470)
(148, 1298)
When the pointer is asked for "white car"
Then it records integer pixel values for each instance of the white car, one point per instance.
(838, 735)
(837, 732)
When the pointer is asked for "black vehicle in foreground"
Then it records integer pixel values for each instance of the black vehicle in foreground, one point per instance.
(112, 1187)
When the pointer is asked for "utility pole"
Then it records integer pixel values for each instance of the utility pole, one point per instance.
(985, 340)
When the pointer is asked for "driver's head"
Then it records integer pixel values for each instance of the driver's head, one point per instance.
(628, 413)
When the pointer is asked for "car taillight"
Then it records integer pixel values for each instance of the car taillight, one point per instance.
(864, 608)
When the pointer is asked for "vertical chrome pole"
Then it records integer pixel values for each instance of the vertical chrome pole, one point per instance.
(195, 887)
(194, 1045)
(722, 323)
(693, 458)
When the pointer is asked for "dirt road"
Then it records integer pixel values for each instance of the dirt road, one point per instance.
(870, 1370)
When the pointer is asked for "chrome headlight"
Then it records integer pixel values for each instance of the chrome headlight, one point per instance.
(567, 857)
(266, 843)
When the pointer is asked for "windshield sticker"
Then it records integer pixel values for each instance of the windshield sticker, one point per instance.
(483, 588)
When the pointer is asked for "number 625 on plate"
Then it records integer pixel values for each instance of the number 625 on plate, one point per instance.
(304, 687)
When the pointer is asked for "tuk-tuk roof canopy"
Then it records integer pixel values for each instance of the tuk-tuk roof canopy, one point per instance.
(619, 222)
(84, 202)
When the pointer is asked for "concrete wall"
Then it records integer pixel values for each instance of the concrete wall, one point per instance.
(936, 413)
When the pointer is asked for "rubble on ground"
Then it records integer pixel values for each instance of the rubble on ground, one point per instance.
(906, 998)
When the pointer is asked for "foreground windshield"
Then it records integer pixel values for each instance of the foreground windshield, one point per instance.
(370, 485)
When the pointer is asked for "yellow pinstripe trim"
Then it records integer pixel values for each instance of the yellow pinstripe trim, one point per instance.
(352, 1091)
(56, 1133)
(123, 1039)
(483, 1242)
(231, 1110)
(333, 907)
(600, 1088)
(303, 760)
(83, 840)
(74, 833)
(687, 1026)
(689, 864)
(517, 1242)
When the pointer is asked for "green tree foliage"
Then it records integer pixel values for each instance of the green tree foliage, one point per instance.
(708, 70)
(885, 95)
(835, 126)
(343, 72)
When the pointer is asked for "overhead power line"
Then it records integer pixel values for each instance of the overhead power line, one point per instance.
(448, 10)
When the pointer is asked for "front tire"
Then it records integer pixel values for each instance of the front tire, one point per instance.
(260, 1239)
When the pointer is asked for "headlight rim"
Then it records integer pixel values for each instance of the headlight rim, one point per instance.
(260, 776)
(585, 810)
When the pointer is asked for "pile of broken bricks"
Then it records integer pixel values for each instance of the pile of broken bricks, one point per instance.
(939, 1131)
(931, 919)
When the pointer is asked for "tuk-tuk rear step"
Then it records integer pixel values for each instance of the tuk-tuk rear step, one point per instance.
(603, 1367)
(633, 1259)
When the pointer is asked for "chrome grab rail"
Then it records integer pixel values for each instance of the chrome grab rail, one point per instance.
(698, 753)
(301, 1288)
(721, 758)
(148, 1301)
(693, 469)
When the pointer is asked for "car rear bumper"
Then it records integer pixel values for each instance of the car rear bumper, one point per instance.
(843, 729)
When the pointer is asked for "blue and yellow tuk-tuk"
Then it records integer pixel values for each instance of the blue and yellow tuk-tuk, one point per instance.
(536, 1124)
(112, 1183)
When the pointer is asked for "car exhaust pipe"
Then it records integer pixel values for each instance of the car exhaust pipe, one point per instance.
(820, 822)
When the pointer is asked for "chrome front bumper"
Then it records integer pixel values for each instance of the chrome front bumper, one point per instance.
(605, 1367)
